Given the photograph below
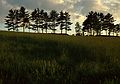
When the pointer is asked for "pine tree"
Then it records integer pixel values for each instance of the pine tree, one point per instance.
(78, 29)
(53, 19)
(37, 19)
(12, 20)
(24, 18)
(67, 22)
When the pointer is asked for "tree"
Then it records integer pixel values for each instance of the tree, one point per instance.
(12, 20)
(46, 21)
(64, 21)
(61, 21)
(88, 23)
(53, 19)
(37, 19)
(93, 22)
(78, 28)
(117, 29)
(24, 18)
(67, 22)
(98, 22)
(108, 23)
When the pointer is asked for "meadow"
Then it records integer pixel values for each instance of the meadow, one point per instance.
(29, 58)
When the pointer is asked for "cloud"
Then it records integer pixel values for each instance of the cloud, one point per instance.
(42, 4)
(4, 7)
(57, 1)
(84, 6)
(77, 8)
(114, 6)
(99, 6)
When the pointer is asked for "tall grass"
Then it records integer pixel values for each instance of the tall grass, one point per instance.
(27, 58)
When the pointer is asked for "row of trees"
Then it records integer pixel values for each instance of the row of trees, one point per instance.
(38, 20)
(97, 22)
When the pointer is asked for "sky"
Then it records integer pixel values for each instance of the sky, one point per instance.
(78, 9)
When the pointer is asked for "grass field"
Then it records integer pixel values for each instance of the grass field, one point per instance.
(27, 58)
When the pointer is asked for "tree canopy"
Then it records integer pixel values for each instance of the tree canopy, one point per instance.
(37, 20)
(40, 20)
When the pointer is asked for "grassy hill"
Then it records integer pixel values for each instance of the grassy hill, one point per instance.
(27, 58)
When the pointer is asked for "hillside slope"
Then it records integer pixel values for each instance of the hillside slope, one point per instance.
(27, 58)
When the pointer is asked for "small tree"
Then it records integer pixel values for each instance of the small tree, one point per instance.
(53, 19)
(117, 29)
(78, 29)
(67, 22)
(24, 18)
(37, 19)
(88, 23)
(46, 21)
(109, 23)
(93, 22)
(61, 21)
(12, 20)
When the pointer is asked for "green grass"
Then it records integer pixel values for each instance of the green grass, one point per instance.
(27, 58)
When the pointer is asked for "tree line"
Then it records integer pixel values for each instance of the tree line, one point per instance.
(42, 21)
(38, 20)
(97, 22)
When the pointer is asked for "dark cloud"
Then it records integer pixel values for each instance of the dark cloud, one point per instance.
(84, 6)
(32, 4)
(75, 7)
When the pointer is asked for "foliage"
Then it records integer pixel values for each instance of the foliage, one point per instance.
(78, 29)
(54, 18)
(24, 18)
(12, 20)
(96, 21)
(38, 19)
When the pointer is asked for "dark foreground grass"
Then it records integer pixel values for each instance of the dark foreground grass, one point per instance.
(58, 59)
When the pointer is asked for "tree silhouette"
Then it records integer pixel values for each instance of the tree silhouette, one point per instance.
(98, 21)
(53, 19)
(12, 20)
(46, 21)
(78, 29)
(24, 18)
(67, 22)
(108, 23)
(93, 22)
(116, 29)
(61, 21)
(88, 23)
(37, 19)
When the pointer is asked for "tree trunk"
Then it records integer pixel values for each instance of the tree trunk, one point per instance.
(42, 30)
(37, 30)
(113, 33)
(54, 31)
(109, 32)
(61, 31)
(117, 33)
(106, 32)
(23, 29)
(97, 32)
(93, 33)
(83, 33)
(46, 30)
(29, 30)
(66, 31)
(54, 27)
